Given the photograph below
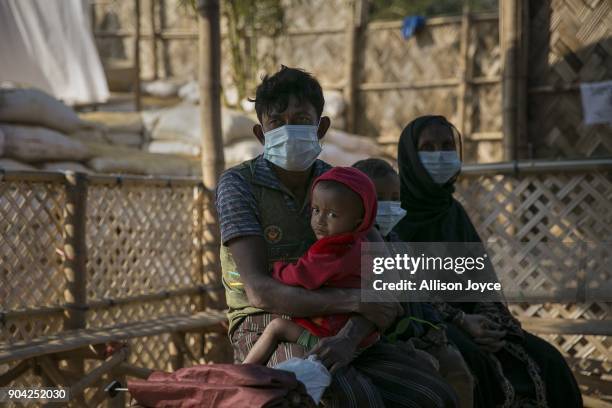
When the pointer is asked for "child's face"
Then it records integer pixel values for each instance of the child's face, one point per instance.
(436, 137)
(387, 187)
(334, 210)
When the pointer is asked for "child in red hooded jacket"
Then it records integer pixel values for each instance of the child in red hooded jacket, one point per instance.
(343, 204)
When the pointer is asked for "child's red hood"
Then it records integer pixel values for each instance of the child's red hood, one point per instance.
(361, 184)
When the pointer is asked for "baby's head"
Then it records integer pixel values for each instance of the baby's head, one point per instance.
(343, 201)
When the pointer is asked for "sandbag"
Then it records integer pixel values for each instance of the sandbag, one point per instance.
(352, 143)
(334, 104)
(34, 144)
(116, 159)
(190, 92)
(124, 138)
(36, 108)
(10, 164)
(160, 88)
(182, 122)
(337, 156)
(131, 122)
(173, 147)
(241, 151)
(66, 166)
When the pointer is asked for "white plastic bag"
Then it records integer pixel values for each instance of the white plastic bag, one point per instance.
(309, 372)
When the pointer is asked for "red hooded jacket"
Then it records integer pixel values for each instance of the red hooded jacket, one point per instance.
(335, 260)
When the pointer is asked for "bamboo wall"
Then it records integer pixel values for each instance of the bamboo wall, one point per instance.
(453, 67)
(386, 80)
(570, 41)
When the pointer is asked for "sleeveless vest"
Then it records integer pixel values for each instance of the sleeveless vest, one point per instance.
(287, 234)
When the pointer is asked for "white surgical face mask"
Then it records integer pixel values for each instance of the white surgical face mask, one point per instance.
(389, 213)
(292, 147)
(441, 165)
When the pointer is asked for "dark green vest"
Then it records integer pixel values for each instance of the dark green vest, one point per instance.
(287, 234)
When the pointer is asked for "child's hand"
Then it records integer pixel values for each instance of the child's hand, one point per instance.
(334, 352)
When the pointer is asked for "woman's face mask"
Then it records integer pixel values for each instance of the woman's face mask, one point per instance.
(292, 147)
(441, 165)
(388, 214)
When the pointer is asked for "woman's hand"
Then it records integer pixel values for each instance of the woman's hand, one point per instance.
(335, 352)
(485, 332)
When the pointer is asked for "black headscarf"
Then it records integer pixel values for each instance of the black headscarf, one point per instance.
(432, 214)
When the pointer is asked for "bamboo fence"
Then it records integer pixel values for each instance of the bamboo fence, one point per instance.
(96, 251)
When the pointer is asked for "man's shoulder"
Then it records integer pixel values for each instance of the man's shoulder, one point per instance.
(235, 174)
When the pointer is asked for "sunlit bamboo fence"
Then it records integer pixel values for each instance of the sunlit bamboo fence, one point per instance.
(97, 252)
(539, 214)
(93, 252)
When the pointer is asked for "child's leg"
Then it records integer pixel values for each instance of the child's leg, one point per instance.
(279, 330)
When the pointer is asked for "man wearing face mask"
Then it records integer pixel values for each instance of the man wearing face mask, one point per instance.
(264, 215)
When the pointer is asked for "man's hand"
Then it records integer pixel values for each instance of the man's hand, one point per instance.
(381, 314)
(485, 332)
(335, 352)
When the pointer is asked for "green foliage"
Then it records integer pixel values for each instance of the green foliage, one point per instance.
(246, 20)
(398, 9)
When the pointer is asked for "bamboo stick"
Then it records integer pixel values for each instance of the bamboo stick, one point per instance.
(213, 161)
(13, 373)
(137, 91)
(509, 45)
(133, 371)
(354, 33)
(75, 251)
(466, 70)
(153, 39)
(98, 372)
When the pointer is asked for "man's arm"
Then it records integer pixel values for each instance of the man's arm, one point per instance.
(264, 292)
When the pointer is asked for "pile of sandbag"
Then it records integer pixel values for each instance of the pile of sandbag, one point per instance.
(34, 126)
(177, 130)
(39, 132)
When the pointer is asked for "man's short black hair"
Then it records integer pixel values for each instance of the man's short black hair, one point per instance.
(375, 168)
(274, 91)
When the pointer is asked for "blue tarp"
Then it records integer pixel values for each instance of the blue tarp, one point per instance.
(411, 25)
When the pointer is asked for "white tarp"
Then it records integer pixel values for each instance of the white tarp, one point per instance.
(596, 102)
(48, 44)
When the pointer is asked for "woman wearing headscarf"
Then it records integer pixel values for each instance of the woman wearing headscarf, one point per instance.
(513, 368)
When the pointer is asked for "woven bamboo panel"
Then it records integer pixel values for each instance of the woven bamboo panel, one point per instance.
(432, 54)
(570, 41)
(140, 240)
(323, 55)
(316, 14)
(484, 37)
(386, 113)
(553, 211)
(31, 244)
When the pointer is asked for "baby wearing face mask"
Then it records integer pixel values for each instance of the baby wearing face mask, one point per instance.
(343, 203)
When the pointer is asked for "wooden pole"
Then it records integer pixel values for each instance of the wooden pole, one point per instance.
(355, 30)
(465, 72)
(75, 250)
(137, 97)
(523, 149)
(154, 39)
(510, 11)
(213, 163)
